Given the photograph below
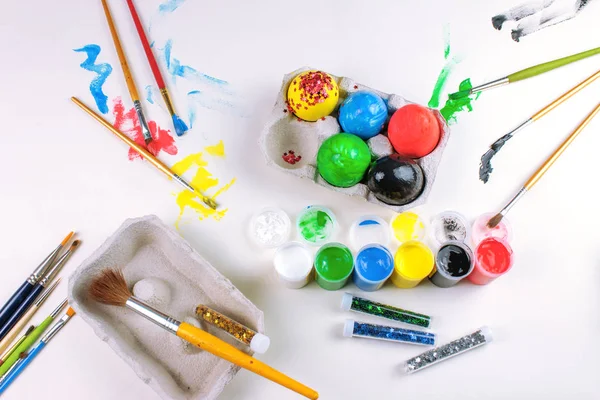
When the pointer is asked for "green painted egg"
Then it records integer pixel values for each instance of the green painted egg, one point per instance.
(343, 159)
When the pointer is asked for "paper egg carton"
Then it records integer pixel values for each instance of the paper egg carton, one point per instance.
(284, 132)
(144, 248)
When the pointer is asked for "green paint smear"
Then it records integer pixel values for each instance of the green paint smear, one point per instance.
(453, 107)
(315, 226)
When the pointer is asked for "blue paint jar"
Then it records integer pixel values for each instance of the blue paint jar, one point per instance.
(363, 114)
(373, 265)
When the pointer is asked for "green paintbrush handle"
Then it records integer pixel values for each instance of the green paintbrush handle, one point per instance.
(27, 343)
(550, 65)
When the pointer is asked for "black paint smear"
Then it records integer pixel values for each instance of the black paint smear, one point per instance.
(454, 259)
(485, 167)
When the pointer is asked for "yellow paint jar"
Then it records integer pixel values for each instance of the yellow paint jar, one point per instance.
(413, 262)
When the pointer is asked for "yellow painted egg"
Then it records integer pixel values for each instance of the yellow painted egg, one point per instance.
(312, 95)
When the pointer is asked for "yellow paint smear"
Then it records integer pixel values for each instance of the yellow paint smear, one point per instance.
(408, 226)
(412, 263)
(204, 181)
(216, 150)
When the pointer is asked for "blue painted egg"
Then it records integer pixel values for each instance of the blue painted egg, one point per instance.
(363, 114)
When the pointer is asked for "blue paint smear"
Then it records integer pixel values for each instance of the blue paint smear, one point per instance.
(149, 94)
(170, 6)
(103, 70)
(369, 222)
(374, 263)
(177, 69)
(202, 99)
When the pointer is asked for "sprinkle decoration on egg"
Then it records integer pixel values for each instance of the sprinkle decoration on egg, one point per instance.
(312, 95)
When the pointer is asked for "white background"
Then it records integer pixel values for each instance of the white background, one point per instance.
(61, 171)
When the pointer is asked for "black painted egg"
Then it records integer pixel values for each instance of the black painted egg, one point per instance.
(396, 180)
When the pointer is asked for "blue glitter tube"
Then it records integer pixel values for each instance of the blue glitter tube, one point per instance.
(390, 333)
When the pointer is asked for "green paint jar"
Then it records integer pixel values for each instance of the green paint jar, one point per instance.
(333, 265)
(315, 224)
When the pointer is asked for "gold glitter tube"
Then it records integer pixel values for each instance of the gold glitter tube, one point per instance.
(257, 342)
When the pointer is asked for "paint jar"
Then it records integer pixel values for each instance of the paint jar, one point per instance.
(389, 333)
(493, 258)
(369, 229)
(407, 226)
(453, 262)
(373, 265)
(293, 263)
(449, 226)
(315, 224)
(361, 305)
(413, 262)
(333, 266)
(270, 227)
(481, 231)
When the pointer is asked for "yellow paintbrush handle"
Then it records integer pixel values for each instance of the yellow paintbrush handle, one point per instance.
(219, 348)
(561, 149)
(12, 334)
(124, 66)
(565, 97)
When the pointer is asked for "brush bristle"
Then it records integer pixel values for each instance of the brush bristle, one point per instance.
(29, 330)
(495, 220)
(180, 126)
(110, 288)
(75, 244)
(70, 312)
(67, 238)
(459, 95)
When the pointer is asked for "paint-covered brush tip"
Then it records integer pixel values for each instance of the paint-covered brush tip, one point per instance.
(494, 221)
(459, 95)
(67, 238)
(70, 312)
(180, 126)
(75, 244)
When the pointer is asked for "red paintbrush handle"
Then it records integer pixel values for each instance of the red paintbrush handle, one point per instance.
(151, 60)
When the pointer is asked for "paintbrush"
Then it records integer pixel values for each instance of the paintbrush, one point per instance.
(495, 220)
(13, 373)
(180, 126)
(37, 290)
(526, 73)
(111, 288)
(485, 167)
(16, 344)
(21, 294)
(133, 92)
(30, 339)
(10, 336)
(147, 155)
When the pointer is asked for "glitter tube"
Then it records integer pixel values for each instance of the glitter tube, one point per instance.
(442, 353)
(390, 333)
(257, 342)
(365, 306)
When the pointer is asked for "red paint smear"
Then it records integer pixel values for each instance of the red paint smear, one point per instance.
(128, 123)
(494, 256)
(290, 157)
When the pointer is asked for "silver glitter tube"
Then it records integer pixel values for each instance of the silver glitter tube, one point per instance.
(442, 353)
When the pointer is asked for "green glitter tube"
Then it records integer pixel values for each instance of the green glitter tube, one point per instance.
(365, 306)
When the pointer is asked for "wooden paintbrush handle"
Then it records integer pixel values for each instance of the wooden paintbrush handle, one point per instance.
(221, 349)
(561, 149)
(122, 59)
(566, 96)
(12, 334)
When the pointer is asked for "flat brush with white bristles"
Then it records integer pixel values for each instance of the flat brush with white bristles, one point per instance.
(111, 288)
(495, 220)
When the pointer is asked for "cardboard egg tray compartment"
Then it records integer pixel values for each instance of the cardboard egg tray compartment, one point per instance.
(284, 133)
(143, 248)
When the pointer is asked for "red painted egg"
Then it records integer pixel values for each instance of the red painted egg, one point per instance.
(414, 131)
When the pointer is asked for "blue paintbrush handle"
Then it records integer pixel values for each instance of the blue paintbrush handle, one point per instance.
(15, 301)
(20, 310)
(15, 372)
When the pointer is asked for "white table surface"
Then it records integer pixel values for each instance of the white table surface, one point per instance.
(61, 171)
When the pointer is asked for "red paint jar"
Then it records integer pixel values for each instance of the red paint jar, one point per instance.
(493, 258)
